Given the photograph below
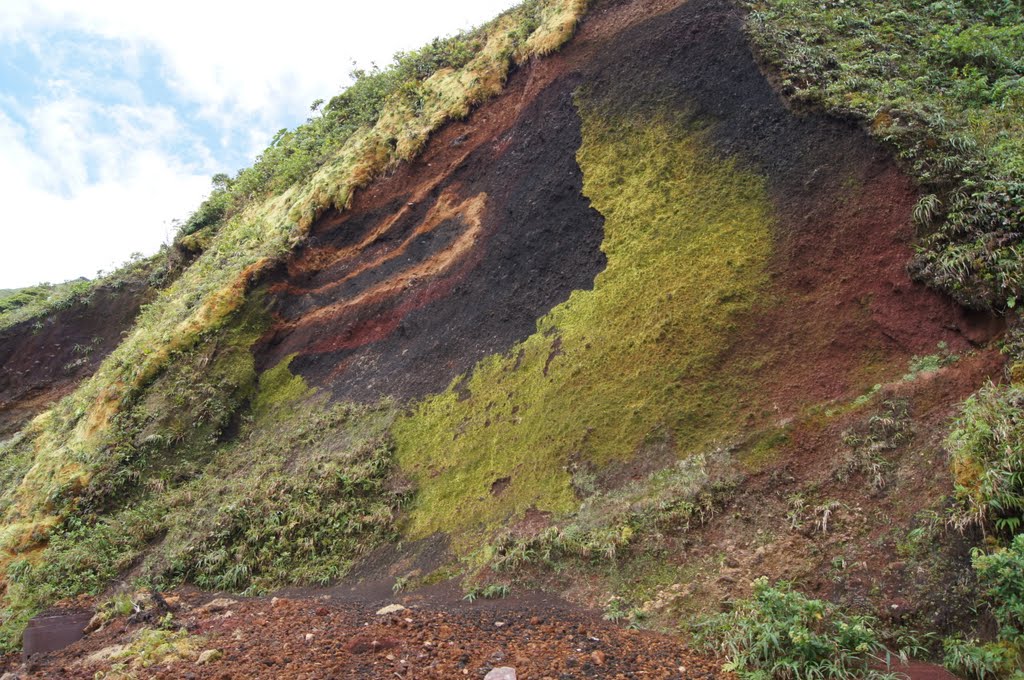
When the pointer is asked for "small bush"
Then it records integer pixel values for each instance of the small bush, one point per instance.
(668, 501)
(1001, 585)
(987, 456)
(780, 633)
(1001, 580)
(971, 659)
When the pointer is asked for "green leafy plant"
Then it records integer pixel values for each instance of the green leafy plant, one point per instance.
(780, 633)
(1001, 581)
(1000, 576)
(986, 445)
(975, 660)
(493, 591)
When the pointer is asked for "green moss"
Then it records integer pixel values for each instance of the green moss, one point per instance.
(766, 450)
(687, 236)
(278, 390)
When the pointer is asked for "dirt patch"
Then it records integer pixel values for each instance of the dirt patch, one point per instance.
(41, 360)
(319, 638)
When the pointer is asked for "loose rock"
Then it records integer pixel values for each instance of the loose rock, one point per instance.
(209, 656)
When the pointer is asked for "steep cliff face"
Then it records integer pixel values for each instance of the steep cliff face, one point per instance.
(633, 305)
(751, 265)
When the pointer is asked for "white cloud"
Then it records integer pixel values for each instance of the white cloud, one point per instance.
(91, 171)
(267, 59)
(76, 201)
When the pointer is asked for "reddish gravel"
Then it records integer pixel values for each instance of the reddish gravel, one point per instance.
(320, 638)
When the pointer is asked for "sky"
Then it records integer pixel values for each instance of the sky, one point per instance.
(114, 114)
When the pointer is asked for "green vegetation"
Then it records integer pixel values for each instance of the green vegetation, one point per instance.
(151, 647)
(780, 633)
(931, 362)
(294, 496)
(493, 591)
(1001, 582)
(867, 447)
(25, 304)
(1001, 579)
(668, 501)
(987, 456)
(683, 263)
(941, 83)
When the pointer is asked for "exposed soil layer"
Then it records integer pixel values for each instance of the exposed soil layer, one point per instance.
(456, 255)
(41, 360)
(318, 638)
(414, 286)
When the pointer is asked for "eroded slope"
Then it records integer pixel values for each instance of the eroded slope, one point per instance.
(632, 284)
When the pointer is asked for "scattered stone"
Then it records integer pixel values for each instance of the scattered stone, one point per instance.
(503, 673)
(390, 609)
(9, 676)
(105, 654)
(309, 637)
(219, 604)
(95, 623)
(598, 657)
(209, 656)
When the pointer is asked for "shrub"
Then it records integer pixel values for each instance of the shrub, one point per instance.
(1001, 584)
(987, 456)
(780, 633)
(970, 659)
(1001, 581)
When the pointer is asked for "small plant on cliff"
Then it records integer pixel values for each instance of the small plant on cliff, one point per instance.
(780, 633)
(987, 456)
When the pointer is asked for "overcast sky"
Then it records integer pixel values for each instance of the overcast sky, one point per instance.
(115, 113)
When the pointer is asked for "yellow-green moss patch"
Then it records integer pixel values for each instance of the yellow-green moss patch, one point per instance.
(687, 236)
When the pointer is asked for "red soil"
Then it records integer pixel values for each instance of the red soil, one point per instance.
(319, 638)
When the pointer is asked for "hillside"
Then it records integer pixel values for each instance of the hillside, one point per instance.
(664, 307)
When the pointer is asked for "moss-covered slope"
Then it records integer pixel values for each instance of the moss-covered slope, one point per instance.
(542, 312)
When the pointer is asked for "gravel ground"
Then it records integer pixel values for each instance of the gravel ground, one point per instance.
(318, 637)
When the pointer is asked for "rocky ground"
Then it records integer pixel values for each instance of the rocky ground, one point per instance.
(323, 637)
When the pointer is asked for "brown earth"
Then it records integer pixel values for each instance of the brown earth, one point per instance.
(840, 316)
(42, 360)
(321, 638)
(454, 256)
